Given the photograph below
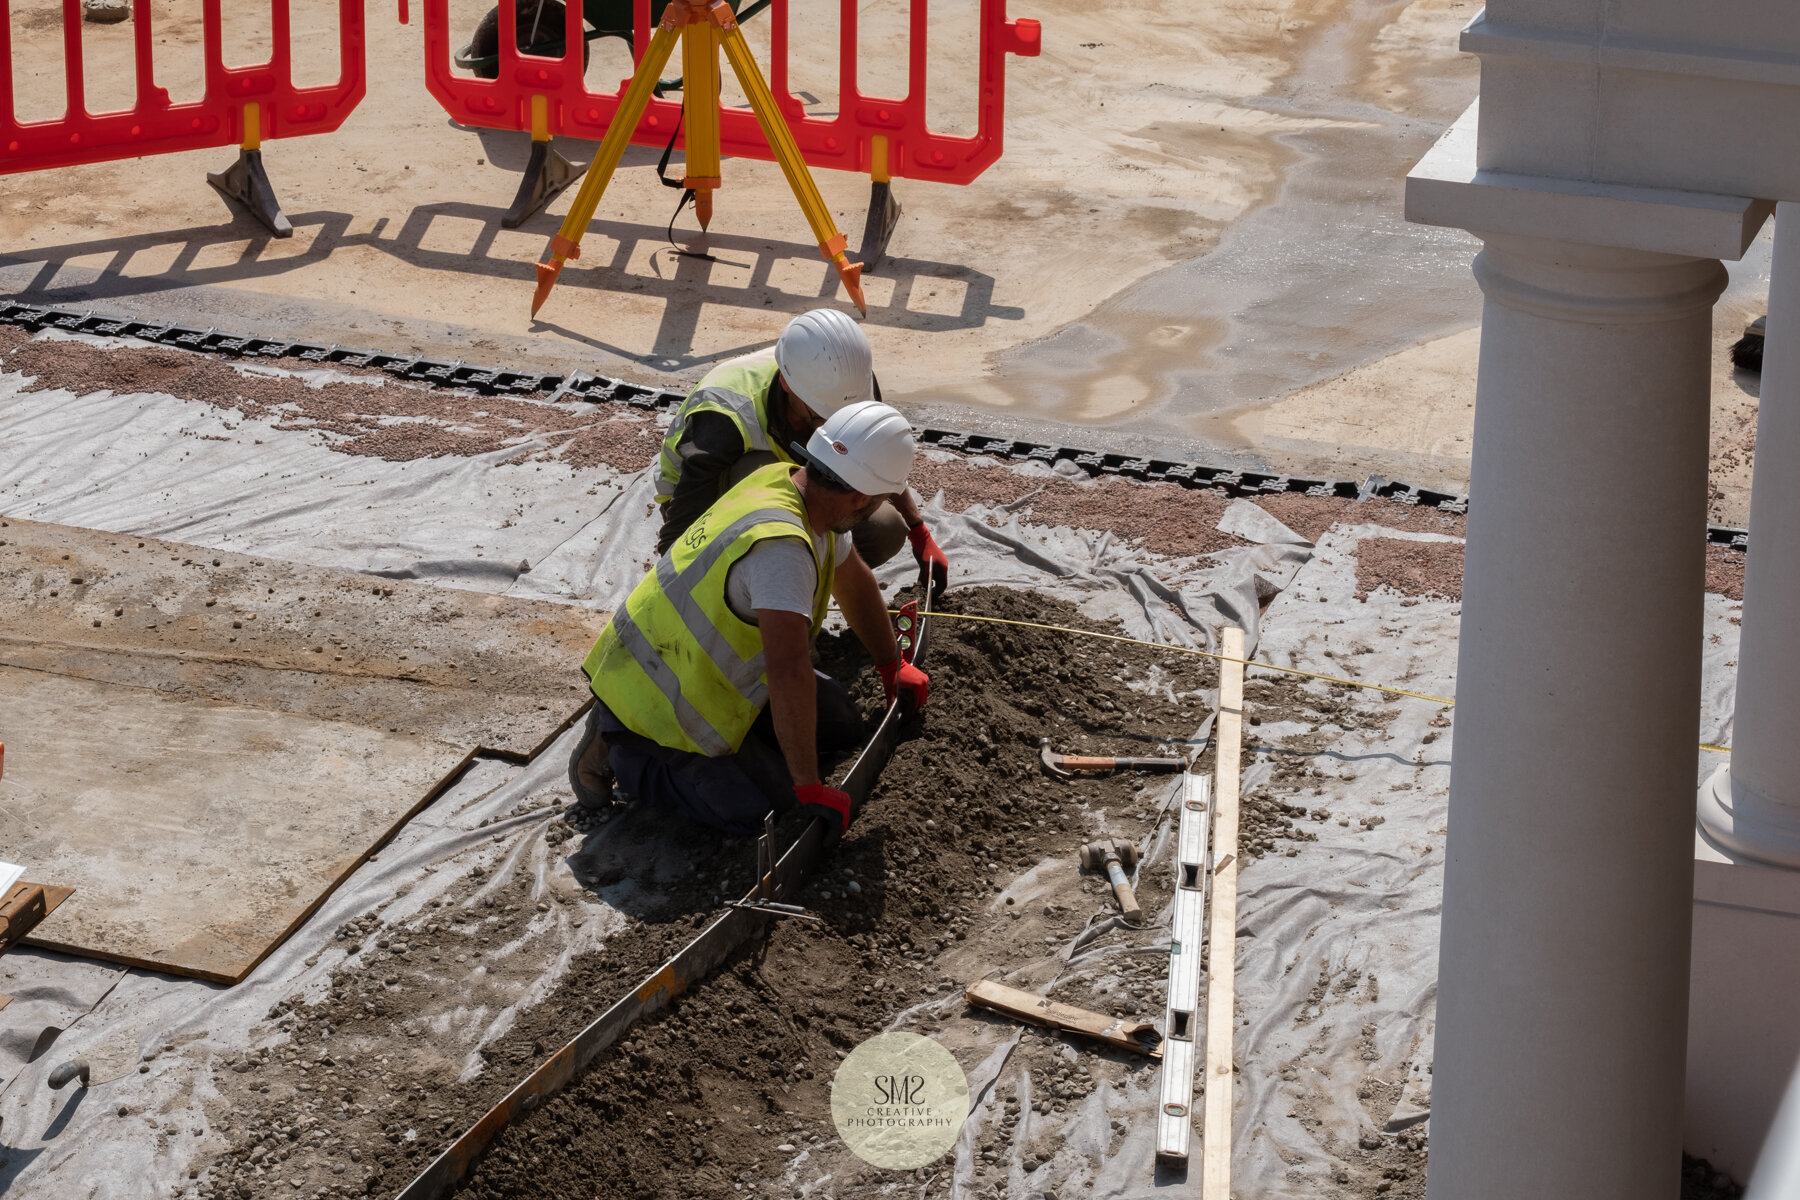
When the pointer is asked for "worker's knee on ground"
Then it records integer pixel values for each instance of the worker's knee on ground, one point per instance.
(730, 793)
(880, 536)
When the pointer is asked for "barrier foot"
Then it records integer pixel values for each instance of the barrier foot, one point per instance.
(884, 214)
(246, 182)
(547, 174)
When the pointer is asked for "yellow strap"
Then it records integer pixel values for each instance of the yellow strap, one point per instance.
(1448, 701)
(252, 126)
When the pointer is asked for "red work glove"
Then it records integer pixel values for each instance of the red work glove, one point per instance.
(926, 551)
(900, 674)
(827, 803)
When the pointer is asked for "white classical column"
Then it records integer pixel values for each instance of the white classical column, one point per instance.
(1563, 965)
(1751, 805)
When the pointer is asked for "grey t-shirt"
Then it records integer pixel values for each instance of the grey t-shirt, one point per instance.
(779, 574)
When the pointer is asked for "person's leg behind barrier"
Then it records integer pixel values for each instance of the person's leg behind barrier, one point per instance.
(879, 536)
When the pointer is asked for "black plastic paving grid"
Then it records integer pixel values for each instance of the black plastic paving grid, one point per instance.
(603, 389)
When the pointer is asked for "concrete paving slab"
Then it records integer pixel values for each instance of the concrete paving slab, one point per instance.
(206, 743)
(196, 834)
(477, 671)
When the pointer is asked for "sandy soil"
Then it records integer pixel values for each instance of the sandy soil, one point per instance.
(1135, 144)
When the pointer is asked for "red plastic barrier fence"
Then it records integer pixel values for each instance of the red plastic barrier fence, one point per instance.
(241, 105)
(877, 135)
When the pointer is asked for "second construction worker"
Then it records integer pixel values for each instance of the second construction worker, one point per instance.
(708, 703)
(753, 410)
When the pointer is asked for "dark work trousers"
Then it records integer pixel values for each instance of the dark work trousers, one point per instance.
(731, 793)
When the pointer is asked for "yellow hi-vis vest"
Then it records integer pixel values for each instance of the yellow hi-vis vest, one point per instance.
(739, 388)
(676, 665)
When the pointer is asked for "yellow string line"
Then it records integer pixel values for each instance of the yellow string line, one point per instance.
(1114, 637)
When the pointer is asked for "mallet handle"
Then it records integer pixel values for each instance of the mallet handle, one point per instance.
(1084, 762)
(1128, 905)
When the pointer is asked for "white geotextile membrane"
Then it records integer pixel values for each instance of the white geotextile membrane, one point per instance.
(1356, 910)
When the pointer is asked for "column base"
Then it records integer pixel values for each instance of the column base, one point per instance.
(1744, 825)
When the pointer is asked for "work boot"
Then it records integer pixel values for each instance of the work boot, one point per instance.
(105, 12)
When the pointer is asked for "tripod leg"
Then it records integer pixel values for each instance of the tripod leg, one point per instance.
(787, 153)
(567, 242)
(700, 104)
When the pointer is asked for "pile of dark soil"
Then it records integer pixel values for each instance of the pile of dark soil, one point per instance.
(373, 415)
(731, 1085)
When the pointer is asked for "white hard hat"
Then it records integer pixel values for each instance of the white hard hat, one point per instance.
(866, 446)
(826, 360)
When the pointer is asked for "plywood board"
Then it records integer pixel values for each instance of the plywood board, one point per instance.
(196, 834)
(1221, 963)
(483, 672)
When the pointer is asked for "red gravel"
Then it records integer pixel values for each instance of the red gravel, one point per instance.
(1311, 516)
(1410, 568)
(395, 421)
(1166, 519)
(1725, 572)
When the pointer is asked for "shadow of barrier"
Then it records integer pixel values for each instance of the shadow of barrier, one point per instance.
(241, 105)
(743, 272)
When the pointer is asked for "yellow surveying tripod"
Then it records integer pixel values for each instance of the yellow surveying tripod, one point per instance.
(702, 26)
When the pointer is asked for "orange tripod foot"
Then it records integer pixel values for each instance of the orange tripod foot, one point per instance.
(851, 274)
(546, 275)
(561, 251)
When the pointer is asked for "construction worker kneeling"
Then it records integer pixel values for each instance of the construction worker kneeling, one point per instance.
(708, 701)
(746, 413)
